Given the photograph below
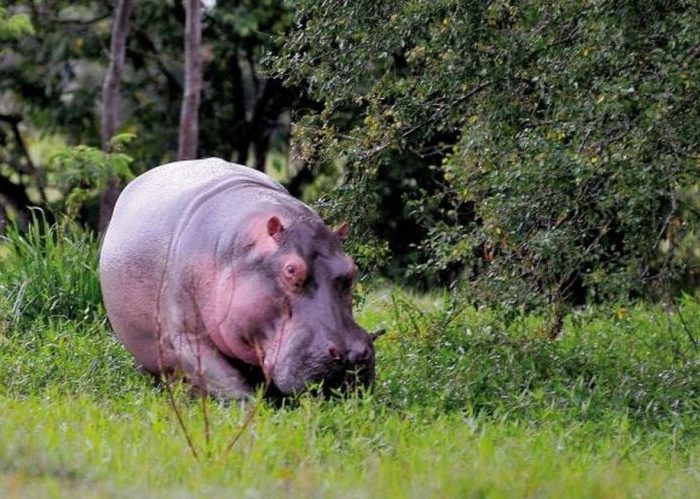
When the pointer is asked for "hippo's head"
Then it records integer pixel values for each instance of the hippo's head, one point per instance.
(298, 282)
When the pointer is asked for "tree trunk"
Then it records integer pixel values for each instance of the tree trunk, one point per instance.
(110, 97)
(189, 113)
(13, 121)
(15, 196)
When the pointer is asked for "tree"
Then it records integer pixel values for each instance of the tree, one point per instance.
(51, 83)
(189, 114)
(540, 148)
(13, 27)
(110, 95)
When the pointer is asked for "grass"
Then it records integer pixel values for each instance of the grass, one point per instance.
(75, 444)
(466, 403)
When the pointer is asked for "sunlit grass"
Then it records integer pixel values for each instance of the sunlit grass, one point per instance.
(330, 448)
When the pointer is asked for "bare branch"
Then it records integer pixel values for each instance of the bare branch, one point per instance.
(692, 338)
(161, 364)
(253, 411)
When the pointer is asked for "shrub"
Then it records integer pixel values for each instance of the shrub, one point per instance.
(543, 148)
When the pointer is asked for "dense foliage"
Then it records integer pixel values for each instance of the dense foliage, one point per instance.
(13, 27)
(532, 153)
(547, 150)
(52, 70)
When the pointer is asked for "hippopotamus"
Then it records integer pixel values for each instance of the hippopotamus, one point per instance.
(212, 270)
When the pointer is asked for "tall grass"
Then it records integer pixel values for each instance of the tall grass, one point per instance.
(54, 331)
(639, 363)
(49, 270)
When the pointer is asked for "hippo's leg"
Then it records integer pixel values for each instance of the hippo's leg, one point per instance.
(208, 369)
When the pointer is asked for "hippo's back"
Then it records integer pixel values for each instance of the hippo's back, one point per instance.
(136, 245)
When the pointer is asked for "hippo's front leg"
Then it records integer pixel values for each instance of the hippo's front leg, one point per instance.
(207, 368)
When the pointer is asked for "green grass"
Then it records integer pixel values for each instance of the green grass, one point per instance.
(466, 403)
(131, 446)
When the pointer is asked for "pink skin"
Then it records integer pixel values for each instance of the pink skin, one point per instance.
(241, 308)
(239, 311)
(208, 267)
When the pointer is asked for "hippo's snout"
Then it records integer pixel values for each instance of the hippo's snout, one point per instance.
(358, 353)
(352, 349)
(338, 361)
(350, 365)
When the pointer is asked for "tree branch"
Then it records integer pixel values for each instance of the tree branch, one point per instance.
(110, 87)
(432, 119)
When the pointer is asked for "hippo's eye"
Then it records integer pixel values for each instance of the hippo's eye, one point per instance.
(294, 275)
(345, 284)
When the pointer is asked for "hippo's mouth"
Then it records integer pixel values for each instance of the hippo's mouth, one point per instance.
(344, 381)
(331, 384)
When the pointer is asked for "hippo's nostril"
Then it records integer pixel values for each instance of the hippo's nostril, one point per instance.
(360, 355)
(366, 354)
(335, 353)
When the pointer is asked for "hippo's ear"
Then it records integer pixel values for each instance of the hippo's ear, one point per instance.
(343, 231)
(274, 228)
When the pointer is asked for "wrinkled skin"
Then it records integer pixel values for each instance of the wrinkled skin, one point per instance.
(212, 270)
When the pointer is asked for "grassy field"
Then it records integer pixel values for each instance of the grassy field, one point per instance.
(466, 403)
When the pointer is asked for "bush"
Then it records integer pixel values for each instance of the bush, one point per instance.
(544, 148)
